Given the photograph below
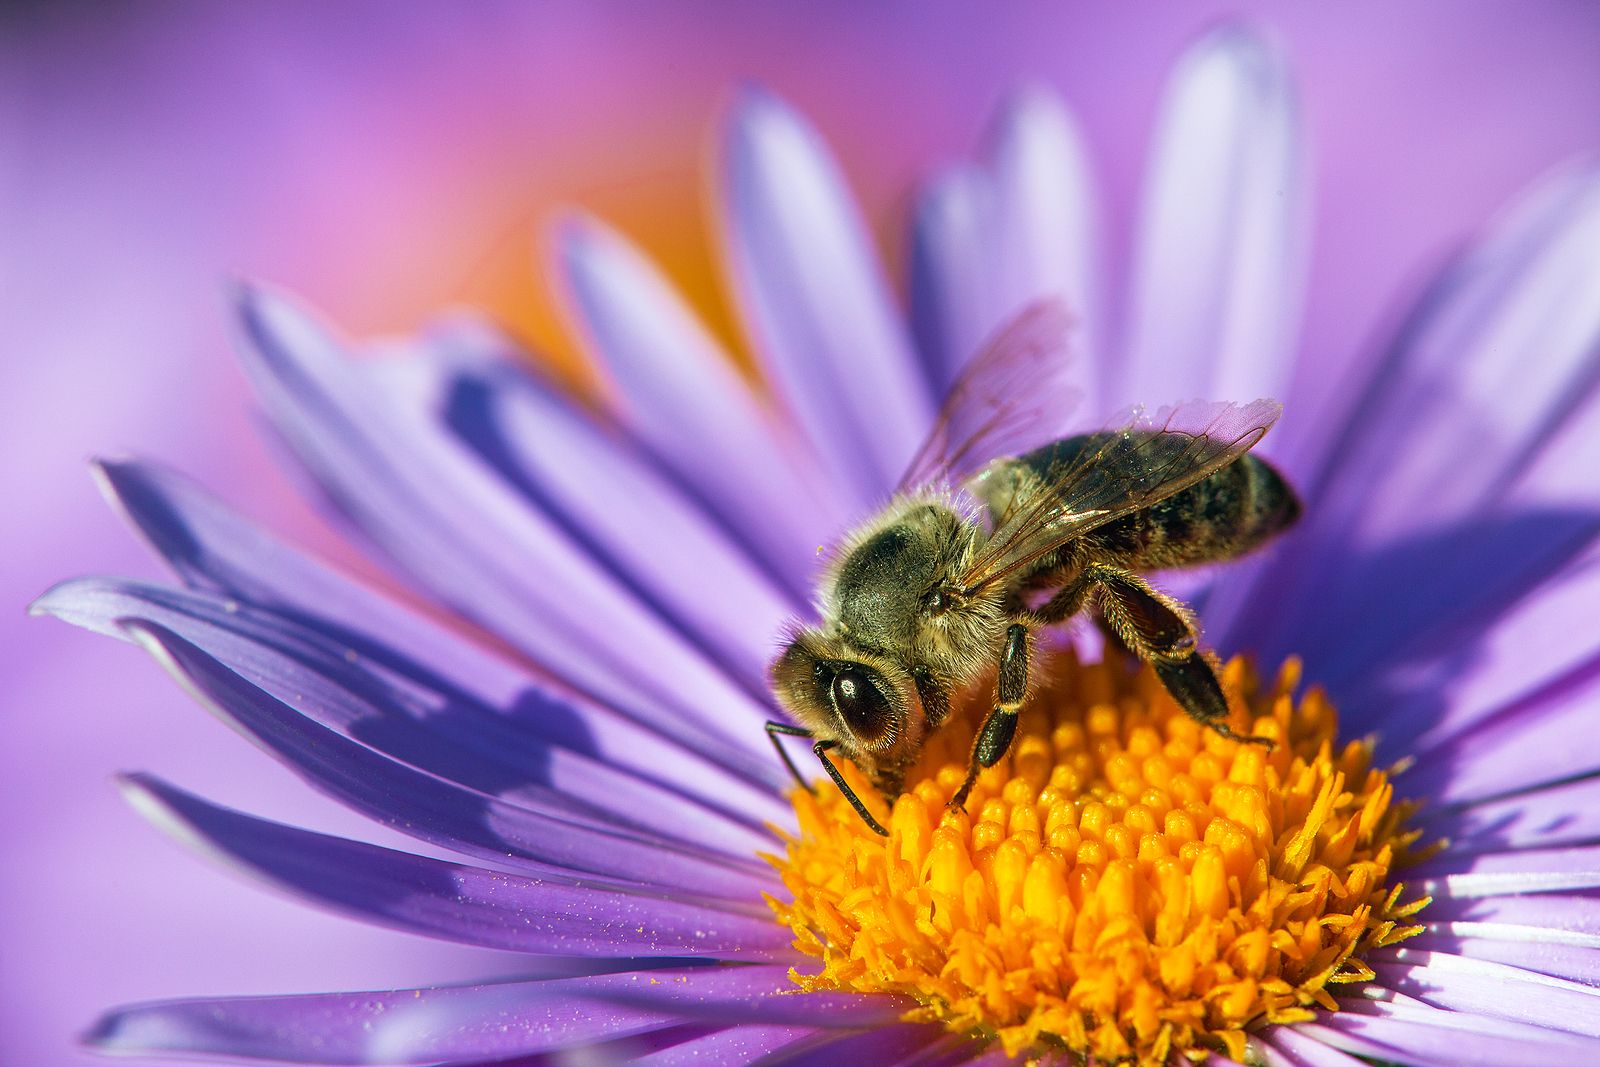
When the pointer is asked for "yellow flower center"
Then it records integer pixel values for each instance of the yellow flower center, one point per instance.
(1126, 884)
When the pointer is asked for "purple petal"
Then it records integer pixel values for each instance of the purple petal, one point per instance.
(1495, 359)
(623, 513)
(732, 1045)
(1505, 363)
(431, 808)
(457, 530)
(1557, 915)
(1287, 1046)
(487, 1022)
(1436, 1043)
(1376, 1002)
(1220, 258)
(953, 272)
(401, 1027)
(1544, 739)
(541, 757)
(904, 1043)
(1492, 989)
(1535, 644)
(818, 306)
(455, 901)
(1494, 363)
(989, 241)
(1461, 859)
(1461, 874)
(680, 396)
(1556, 952)
(1566, 814)
(1045, 220)
(213, 548)
(756, 993)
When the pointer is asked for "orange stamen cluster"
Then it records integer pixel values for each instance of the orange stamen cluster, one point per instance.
(1126, 885)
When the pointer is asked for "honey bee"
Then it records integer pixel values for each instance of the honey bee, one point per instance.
(975, 554)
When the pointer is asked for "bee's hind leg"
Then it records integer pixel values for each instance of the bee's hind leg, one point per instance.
(994, 736)
(1162, 632)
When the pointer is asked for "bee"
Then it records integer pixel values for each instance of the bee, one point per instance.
(975, 554)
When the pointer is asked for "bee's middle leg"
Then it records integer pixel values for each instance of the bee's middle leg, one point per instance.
(994, 736)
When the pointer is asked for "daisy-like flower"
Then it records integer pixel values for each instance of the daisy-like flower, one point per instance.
(569, 696)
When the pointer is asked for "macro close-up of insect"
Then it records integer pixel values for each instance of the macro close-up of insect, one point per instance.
(995, 534)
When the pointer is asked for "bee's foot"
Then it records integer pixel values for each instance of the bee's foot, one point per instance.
(1245, 739)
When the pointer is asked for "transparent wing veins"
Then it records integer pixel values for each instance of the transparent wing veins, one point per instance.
(1010, 397)
(1134, 467)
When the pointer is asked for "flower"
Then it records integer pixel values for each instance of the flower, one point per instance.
(608, 806)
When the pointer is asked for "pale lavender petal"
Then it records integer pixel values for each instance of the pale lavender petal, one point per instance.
(1461, 874)
(1435, 1043)
(431, 808)
(623, 513)
(541, 757)
(1556, 914)
(1047, 244)
(213, 548)
(1503, 363)
(816, 301)
(755, 993)
(454, 1024)
(1462, 860)
(1374, 1001)
(678, 393)
(1528, 745)
(1565, 814)
(1529, 647)
(1286, 1046)
(732, 1045)
(1487, 373)
(484, 1022)
(1485, 988)
(1220, 259)
(990, 240)
(953, 272)
(473, 905)
(1502, 883)
(1556, 952)
(456, 529)
(889, 1046)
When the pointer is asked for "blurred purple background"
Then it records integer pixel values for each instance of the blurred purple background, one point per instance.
(385, 161)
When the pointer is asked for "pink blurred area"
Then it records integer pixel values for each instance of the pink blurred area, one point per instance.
(388, 160)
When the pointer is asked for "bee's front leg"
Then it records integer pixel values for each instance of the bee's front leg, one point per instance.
(994, 737)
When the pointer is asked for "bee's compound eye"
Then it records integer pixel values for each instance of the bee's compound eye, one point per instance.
(864, 707)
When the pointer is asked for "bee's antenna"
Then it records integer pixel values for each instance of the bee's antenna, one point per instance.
(774, 729)
(822, 747)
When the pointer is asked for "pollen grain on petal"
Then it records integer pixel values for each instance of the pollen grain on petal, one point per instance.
(1126, 884)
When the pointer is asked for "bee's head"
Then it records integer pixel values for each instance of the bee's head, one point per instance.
(844, 694)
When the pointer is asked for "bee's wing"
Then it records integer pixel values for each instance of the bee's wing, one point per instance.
(1140, 464)
(1009, 398)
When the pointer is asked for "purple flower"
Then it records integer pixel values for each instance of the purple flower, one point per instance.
(566, 697)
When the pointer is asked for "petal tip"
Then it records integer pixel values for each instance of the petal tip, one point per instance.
(1243, 48)
(761, 123)
(107, 1034)
(52, 602)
